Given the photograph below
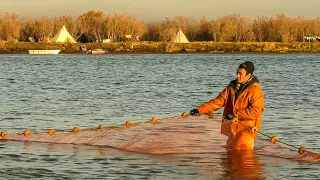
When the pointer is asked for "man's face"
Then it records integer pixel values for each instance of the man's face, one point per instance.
(242, 77)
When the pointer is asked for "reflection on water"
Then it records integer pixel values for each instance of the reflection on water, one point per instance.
(242, 165)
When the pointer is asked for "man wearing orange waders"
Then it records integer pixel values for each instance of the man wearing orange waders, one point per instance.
(243, 103)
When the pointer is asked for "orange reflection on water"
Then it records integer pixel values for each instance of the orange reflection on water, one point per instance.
(242, 165)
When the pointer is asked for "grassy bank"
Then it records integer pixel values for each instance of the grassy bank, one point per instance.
(165, 47)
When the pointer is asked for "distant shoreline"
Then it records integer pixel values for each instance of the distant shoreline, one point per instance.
(146, 47)
(190, 53)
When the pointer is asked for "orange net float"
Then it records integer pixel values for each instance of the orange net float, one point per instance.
(75, 130)
(184, 114)
(302, 149)
(253, 129)
(127, 124)
(3, 134)
(27, 133)
(51, 132)
(100, 127)
(274, 139)
(154, 120)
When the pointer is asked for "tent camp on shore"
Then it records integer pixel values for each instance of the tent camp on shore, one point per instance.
(63, 36)
(180, 37)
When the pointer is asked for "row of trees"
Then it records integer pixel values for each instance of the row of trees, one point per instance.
(231, 28)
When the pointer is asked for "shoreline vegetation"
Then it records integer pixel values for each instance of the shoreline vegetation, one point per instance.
(164, 47)
(122, 33)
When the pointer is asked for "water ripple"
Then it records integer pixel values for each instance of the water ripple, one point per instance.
(63, 91)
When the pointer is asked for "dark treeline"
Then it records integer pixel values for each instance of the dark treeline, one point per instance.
(231, 28)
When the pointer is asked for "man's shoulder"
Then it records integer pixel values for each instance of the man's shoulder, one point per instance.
(255, 83)
(255, 87)
(232, 83)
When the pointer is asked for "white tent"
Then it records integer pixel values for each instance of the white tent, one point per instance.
(180, 37)
(63, 36)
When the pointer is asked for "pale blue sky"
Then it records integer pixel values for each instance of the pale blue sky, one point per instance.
(155, 10)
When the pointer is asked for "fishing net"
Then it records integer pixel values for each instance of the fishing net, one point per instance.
(172, 135)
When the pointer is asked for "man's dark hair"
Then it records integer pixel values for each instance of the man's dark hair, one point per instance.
(248, 66)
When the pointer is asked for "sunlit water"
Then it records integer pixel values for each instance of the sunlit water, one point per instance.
(63, 91)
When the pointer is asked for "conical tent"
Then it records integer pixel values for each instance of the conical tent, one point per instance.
(63, 36)
(180, 37)
(85, 38)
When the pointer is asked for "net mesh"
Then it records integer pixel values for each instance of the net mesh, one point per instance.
(173, 135)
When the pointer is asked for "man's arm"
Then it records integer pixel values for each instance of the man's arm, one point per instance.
(215, 103)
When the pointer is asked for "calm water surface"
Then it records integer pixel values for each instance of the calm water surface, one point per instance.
(63, 91)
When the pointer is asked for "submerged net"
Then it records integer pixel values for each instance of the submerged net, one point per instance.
(173, 135)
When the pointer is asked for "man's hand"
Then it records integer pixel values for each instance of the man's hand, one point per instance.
(194, 112)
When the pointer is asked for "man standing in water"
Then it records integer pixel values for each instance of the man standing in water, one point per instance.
(243, 103)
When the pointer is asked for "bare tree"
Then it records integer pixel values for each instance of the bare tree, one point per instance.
(227, 28)
(92, 23)
(10, 26)
(258, 28)
(28, 30)
(69, 22)
(116, 27)
(206, 32)
(135, 27)
(153, 32)
(44, 28)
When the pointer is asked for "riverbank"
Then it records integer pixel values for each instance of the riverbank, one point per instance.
(165, 47)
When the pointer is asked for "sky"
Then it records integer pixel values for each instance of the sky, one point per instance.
(157, 10)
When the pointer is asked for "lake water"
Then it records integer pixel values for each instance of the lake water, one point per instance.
(63, 91)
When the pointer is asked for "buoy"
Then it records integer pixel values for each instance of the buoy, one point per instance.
(3, 134)
(27, 133)
(127, 124)
(154, 120)
(75, 130)
(274, 139)
(51, 132)
(302, 149)
(100, 127)
(184, 115)
(210, 115)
